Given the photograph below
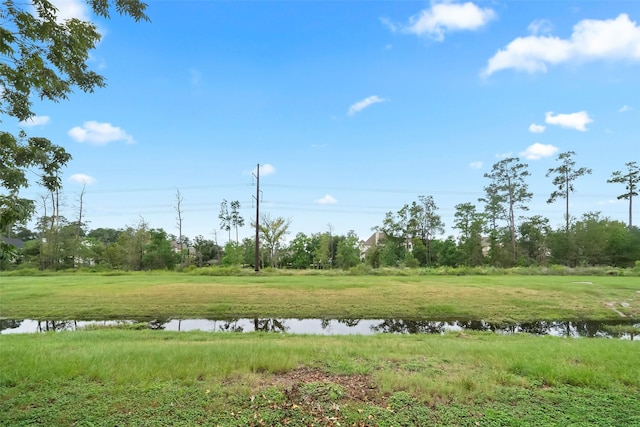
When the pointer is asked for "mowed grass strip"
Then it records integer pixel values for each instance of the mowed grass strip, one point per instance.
(116, 377)
(491, 298)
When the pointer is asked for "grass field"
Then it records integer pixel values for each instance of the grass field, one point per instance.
(113, 377)
(110, 376)
(491, 298)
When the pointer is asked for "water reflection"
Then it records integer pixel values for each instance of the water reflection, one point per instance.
(571, 329)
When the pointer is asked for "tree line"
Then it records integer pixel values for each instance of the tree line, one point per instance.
(494, 233)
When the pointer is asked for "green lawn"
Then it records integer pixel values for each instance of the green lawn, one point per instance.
(111, 376)
(177, 295)
(115, 377)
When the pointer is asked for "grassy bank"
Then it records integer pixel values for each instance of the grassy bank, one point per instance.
(491, 298)
(114, 377)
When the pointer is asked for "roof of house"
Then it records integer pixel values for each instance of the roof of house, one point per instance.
(375, 238)
(13, 241)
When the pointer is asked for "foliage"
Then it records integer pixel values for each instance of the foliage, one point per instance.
(509, 189)
(272, 233)
(19, 157)
(631, 179)
(47, 57)
(565, 175)
(348, 253)
(233, 254)
(470, 224)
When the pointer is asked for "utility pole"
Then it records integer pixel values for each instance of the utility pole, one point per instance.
(257, 197)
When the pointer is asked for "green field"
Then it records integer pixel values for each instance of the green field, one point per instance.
(490, 298)
(107, 376)
(114, 377)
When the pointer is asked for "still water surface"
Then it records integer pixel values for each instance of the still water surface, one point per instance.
(574, 329)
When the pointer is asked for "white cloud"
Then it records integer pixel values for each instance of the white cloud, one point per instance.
(538, 151)
(503, 155)
(80, 178)
(328, 199)
(625, 108)
(265, 170)
(608, 202)
(475, 165)
(35, 121)
(99, 133)
(591, 40)
(443, 17)
(534, 128)
(361, 105)
(577, 121)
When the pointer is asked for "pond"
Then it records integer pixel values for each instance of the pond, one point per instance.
(625, 329)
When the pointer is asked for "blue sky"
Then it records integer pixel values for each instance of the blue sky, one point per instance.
(352, 108)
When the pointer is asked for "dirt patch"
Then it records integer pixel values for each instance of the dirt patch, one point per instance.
(354, 387)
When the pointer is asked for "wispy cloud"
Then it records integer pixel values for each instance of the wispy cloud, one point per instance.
(265, 170)
(68, 9)
(97, 133)
(475, 165)
(577, 121)
(625, 108)
(328, 199)
(389, 24)
(503, 155)
(35, 121)
(534, 128)
(538, 151)
(591, 40)
(445, 16)
(539, 26)
(361, 105)
(80, 178)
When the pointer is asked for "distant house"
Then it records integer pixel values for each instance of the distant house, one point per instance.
(13, 241)
(175, 246)
(376, 238)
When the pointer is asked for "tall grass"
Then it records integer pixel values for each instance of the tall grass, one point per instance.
(115, 377)
(445, 367)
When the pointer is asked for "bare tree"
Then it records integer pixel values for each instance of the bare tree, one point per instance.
(179, 200)
(80, 210)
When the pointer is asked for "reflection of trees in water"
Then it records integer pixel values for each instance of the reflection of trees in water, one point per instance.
(230, 325)
(269, 325)
(10, 324)
(157, 324)
(474, 325)
(56, 325)
(351, 323)
(392, 326)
